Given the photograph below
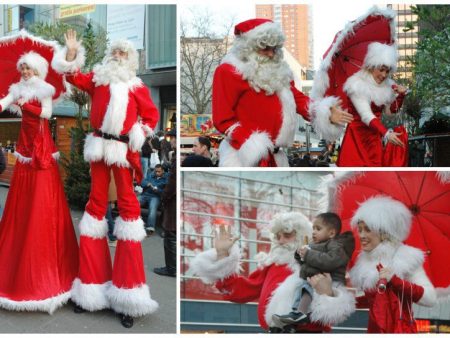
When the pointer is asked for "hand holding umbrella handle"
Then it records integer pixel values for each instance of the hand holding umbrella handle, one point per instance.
(381, 284)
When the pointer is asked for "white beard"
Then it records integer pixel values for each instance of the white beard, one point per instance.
(279, 254)
(264, 73)
(113, 71)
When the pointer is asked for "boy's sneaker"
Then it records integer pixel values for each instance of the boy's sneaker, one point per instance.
(293, 318)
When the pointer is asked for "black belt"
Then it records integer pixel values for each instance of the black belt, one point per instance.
(276, 150)
(106, 136)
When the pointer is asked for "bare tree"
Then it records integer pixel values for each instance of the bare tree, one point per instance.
(202, 48)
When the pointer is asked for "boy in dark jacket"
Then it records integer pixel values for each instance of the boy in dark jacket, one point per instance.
(329, 252)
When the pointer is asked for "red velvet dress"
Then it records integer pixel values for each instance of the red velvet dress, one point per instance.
(38, 246)
(362, 145)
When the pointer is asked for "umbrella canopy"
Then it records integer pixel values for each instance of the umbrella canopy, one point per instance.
(346, 54)
(13, 47)
(425, 193)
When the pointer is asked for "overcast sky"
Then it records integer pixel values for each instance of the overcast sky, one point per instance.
(328, 17)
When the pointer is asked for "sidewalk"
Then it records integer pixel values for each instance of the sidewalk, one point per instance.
(64, 320)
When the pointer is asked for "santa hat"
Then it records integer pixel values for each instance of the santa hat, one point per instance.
(126, 46)
(386, 215)
(260, 33)
(379, 54)
(287, 222)
(35, 62)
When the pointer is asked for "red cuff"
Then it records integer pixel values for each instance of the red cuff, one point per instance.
(376, 125)
(35, 110)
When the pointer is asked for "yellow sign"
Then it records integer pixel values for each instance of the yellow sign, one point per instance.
(66, 11)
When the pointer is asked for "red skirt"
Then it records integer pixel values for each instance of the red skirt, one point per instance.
(38, 246)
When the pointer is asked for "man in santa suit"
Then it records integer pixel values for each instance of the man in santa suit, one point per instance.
(255, 103)
(275, 279)
(122, 116)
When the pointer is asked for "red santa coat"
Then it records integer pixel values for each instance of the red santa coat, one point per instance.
(362, 145)
(253, 121)
(115, 110)
(392, 312)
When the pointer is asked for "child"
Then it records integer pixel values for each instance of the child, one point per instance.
(329, 252)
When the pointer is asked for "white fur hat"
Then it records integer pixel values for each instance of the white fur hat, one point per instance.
(379, 54)
(35, 62)
(383, 214)
(290, 221)
(126, 46)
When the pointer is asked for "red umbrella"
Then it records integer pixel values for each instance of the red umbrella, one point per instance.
(425, 193)
(13, 47)
(346, 54)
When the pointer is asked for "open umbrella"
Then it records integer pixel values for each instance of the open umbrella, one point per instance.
(13, 47)
(346, 54)
(425, 193)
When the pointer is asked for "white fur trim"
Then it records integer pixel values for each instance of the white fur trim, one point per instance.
(321, 80)
(117, 109)
(206, 266)
(429, 296)
(404, 260)
(46, 105)
(91, 227)
(332, 310)
(149, 132)
(35, 62)
(91, 297)
(134, 302)
(129, 230)
(46, 305)
(443, 176)
(266, 34)
(320, 112)
(33, 88)
(384, 214)
(62, 66)
(379, 54)
(254, 149)
(111, 151)
(281, 299)
(7, 101)
(281, 159)
(443, 294)
(291, 221)
(137, 137)
(290, 119)
(228, 156)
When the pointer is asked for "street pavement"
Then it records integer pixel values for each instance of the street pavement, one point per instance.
(64, 320)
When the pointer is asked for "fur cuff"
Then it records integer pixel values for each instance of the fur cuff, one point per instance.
(92, 227)
(60, 64)
(206, 266)
(46, 305)
(332, 310)
(281, 159)
(254, 149)
(111, 151)
(320, 118)
(149, 132)
(129, 230)
(91, 297)
(134, 302)
(137, 137)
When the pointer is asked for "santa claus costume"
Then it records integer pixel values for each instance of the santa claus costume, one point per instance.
(273, 283)
(38, 246)
(122, 115)
(255, 103)
(390, 311)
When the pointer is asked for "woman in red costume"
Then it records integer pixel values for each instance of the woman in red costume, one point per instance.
(38, 246)
(383, 223)
(371, 93)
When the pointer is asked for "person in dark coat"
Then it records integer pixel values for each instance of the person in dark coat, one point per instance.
(329, 252)
(169, 200)
(2, 161)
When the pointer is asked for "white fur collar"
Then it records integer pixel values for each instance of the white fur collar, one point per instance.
(402, 259)
(362, 84)
(269, 81)
(33, 88)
